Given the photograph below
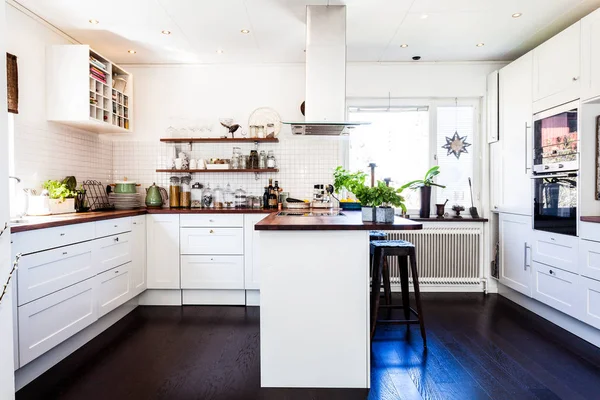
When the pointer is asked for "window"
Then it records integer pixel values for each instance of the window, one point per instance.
(405, 140)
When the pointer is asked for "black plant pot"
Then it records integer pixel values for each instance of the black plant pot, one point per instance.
(425, 202)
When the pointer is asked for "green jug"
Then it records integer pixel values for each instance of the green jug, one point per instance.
(153, 197)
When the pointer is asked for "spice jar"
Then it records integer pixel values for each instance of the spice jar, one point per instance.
(256, 202)
(253, 160)
(218, 197)
(270, 133)
(174, 192)
(228, 197)
(262, 160)
(271, 160)
(207, 197)
(253, 131)
(196, 195)
(185, 199)
(260, 131)
(240, 198)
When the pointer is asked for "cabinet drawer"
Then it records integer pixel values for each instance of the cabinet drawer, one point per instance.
(113, 226)
(49, 271)
(560, 251)
(212, 241)
(210, 220)
(212, 272)
(47, 322)
(591, 302)
(112, 251)
(113, 289)
(589, 259)
(44, 239)
(138, 220)
(557, 288)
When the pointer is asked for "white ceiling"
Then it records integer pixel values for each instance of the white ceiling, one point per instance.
(375, 28)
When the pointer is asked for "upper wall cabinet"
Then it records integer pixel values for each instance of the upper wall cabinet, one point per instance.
(590, 56)
(87, 91)
(556, 69)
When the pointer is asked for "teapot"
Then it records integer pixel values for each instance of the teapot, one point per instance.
(153, 197)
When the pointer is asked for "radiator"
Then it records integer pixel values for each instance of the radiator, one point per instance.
(445, 256)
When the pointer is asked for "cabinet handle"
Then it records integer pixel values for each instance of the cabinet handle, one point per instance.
(116, 272)
(526, 129)
(135, 223)
(211, 231)
(552, 239)
(211, 220)
(116, 226)
(64, 253)
(525, 256)
(62, 234)
(575, 78)
(551, 272)
(116, 239)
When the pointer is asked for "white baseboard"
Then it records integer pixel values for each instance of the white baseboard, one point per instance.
(576, 327)
(161, 297)
(444, 288)
(47, 360)
(214, 297)
(253, 297)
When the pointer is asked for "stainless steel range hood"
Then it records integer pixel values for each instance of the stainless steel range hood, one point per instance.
(325, 109)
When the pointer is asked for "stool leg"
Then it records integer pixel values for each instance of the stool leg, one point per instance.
(415, 276)
(376, 288)
(403, 266)
(387, 286)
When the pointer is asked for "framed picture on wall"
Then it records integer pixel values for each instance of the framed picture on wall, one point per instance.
(597, 155)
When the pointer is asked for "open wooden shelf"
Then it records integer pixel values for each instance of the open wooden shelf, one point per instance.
(202, 171)
(219, 140)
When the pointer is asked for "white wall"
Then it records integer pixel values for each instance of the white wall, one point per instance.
(46, 150)
(7, 384)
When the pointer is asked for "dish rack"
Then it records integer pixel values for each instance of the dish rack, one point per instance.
(96, 196)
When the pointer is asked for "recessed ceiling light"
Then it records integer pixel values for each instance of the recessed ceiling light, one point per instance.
(220, 51)
(245, 31)
(165, 32)
(404, 45)
(517, 15)
(131, 51)
(424, 16)
(94, 21)
(480, 44)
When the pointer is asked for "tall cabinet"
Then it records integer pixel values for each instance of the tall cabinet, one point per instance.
(516, 85)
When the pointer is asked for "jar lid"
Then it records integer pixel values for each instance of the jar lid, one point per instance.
(270, 125)
(197, 185)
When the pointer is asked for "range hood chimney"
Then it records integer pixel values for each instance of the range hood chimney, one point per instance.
(325, 109)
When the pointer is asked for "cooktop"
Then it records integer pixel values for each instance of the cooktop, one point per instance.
(310, 214)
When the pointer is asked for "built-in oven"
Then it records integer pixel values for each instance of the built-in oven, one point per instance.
(555, 203)
(555, 139)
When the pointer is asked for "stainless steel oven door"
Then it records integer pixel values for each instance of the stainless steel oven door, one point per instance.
(556, 139)
(555, 203)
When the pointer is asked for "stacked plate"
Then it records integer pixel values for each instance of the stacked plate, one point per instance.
(125, 201)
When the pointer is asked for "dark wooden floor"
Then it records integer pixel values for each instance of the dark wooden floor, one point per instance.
(479, 348)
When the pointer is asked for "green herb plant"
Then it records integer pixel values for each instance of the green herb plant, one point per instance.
(427, 181)
(348, 180)
(58, 190)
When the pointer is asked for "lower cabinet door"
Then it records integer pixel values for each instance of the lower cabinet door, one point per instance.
(557, 288)
(47, 322)
(589, 259)
(137, 270)
(515, 239)
(113, 289)
(212, 272)
(113, 251)
(591, 302)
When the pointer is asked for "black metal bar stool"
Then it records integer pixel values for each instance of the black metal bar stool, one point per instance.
(387, 289)
(381, 249)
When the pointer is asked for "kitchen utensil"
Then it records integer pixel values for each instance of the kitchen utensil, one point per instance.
(178, 163)
(125, 186)
(263, 117)
(440, 209)
(153, 197)
(472, 209)
(96, 196)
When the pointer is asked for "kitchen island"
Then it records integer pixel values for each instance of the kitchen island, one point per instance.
(314, 314)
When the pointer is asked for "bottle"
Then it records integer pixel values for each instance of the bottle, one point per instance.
(276, 189)
(266, 198)
(270, 184)
(272, 200)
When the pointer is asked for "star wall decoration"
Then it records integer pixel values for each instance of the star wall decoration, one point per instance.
(456, 145)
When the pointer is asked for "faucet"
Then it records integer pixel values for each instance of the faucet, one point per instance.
(15, 178)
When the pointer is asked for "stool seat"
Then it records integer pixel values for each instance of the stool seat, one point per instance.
(377, 235)
(386, 244)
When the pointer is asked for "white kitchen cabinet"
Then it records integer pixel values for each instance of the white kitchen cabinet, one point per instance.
(252, 251)
(138, 255)
(113, 226)
(212, 220)
(112, 251)
(48, 271)
(516, 83)
(515, 241)
(589, 259)
(212, 272)
(590, 311)
(163, 251)
(212, 241)
(495, 175)
(556, 69)
(50, 320)
(590, 56)
(557, 288)
(113, 289)
(44, 239)
(492, 106)
(555, 250)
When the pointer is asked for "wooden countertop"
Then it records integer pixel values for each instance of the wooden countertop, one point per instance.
(591, 218)
(449, 219)
(209, 211)
(52, 221)
(350, 221)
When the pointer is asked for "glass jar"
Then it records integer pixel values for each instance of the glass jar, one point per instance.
(218, 199)
(174, 192)
(270, 133)
(207, 197)
(253, 160)
(228, 197)
(262, 160)
(245, 163)
(253, 131)
(196, 195)
(257, 202)
(185, 200)
(260, 131)
(271, 160)
(240, 198)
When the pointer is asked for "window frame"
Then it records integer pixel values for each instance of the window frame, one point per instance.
(434, 153)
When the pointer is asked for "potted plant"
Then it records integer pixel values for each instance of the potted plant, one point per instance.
(385, 198)
(346, 182)
(425, 185)
(62, 195)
